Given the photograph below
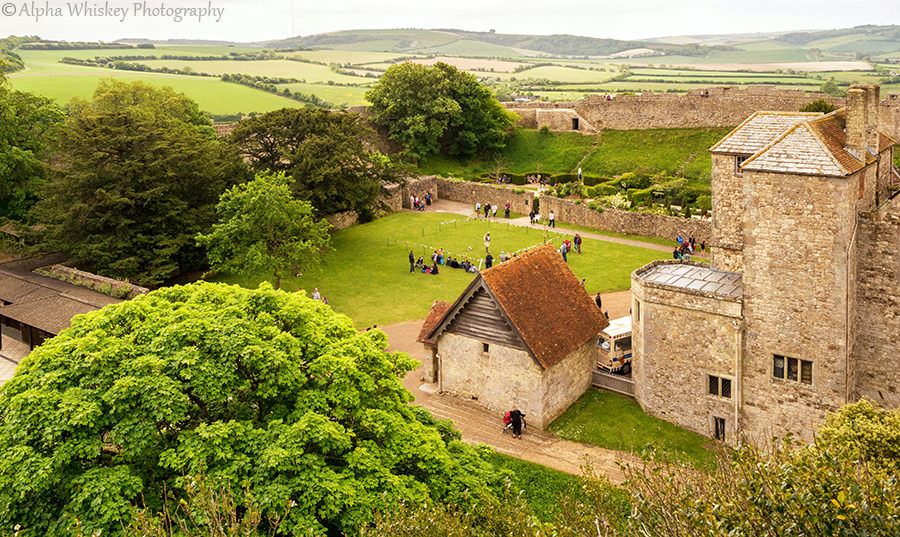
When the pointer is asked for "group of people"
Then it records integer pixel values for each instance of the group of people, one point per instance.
(490, 210)
(503, 180)
(533, 179)
(567, 246)
(316, 295)
(420, 204)
(438, 259)
(686, 248)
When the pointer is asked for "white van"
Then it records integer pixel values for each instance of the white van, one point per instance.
(614, 347)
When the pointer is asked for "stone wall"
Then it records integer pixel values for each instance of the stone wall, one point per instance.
(501, 379)
(678, 340)
(470, 193)
(796, 284)
(727, 215)
(566, 381)
(342, 220)
(876, 353)
(725, 107)
(397, 197)
(625, 222)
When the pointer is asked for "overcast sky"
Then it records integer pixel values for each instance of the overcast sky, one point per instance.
(276, 19)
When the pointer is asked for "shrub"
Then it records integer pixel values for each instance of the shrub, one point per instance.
(545, 130)
(597, 191)
(819, 105)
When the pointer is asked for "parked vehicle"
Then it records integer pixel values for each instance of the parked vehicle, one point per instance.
(614, 347)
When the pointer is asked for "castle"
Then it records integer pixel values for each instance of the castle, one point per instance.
(799, 311)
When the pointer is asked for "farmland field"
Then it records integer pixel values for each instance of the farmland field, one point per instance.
(336, 95)
(310, 72)
(354, 57)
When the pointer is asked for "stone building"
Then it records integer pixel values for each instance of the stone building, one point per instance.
(522, 335)
(798, 313)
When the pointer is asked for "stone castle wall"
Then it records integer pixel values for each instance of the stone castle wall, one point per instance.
(797, 254)
(566, 381)
(678, 340)
(467, 192)
(625, 222)
(727, 215)
(876, 353)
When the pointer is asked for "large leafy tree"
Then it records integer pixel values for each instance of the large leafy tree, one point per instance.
(137, 175)
(261, 390)
(262, 228)
(329, 155)
(438, 108)
(26, 122)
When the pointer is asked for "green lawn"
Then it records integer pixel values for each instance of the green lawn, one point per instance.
(542, 488)
(368, 278)
(683, 152)
(336, 95)
(615, 422)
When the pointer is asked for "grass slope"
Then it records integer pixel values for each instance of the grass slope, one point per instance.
(368, 278)
(615, 422)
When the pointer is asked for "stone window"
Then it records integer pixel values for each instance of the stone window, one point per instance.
(738, 160)
(485, 347)
(719, 431)
(719, 386)
(637, 311)
(793, 369)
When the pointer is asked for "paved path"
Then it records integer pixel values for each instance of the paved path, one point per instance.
(479, 425)
(456, 207)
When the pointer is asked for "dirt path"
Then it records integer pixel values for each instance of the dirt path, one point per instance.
(455, 207)
(479, 425)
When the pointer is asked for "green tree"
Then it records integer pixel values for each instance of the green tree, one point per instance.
(262, 228)
(438, 108)
(265, 391)
(819, 105)
(831, 88)
(137, 175)
(329, 155)
(26, 121)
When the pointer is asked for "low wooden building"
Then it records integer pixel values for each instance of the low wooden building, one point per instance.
(522, 335)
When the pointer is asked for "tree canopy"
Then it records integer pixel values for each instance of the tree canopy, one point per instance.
(262, 228)
(26, 121)
(260, 390)
(329, 156)
(438, 108)
(137, 175)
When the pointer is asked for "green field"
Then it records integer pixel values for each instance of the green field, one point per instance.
(336, 95)
(309, 72)
(615, 422)
(682, 152)
(212, 95)
(367, 277)
(352, 57)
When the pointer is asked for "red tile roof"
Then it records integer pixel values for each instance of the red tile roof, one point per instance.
(546, 303)
(438, 310)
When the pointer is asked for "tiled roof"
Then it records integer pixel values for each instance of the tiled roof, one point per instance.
(701, 279)
(545, 302)
(799, 150)
(884, 142)
(759, 130)
(438, 310)
(51, 314)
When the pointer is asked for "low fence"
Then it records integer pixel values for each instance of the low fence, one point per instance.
(614, 383)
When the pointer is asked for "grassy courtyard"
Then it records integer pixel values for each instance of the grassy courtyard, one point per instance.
(367, 276)
(615, 422)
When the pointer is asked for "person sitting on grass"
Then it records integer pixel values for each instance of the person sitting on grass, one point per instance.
(434, 269)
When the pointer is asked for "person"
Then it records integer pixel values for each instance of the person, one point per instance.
(675, 253)
(488, 260)
(428, 199)
(477, 208)
(579, 174)
(494, 210)
(680, 240)
(691, 241)
(516, 419)
(487, 241)
(563, 250)
(412, 201)
(434, 269)
(316, 295)
(552, 219)
(503, 256)
(325, 300)
(583, 280)
(578, 243)
(568, 244)
(507, 209)
(412, 261)
(487, 210)
(531, 217)
(599, 301)
(703, 246)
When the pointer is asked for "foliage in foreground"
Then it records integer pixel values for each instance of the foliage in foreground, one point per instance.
(844, 484)
(263, 228)
(430, 109)
(137, 175)
(264, 391)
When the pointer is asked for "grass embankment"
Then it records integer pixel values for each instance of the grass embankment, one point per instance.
(367, 277)
(682, 152)
(542, 488)
(615, 422)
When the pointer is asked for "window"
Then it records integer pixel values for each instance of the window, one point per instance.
(637, 311)
(738, 160)
(485, 347)
(793, 369)
(719, 386)
(720, 429)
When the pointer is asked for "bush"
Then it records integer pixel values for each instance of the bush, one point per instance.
(545, 130)
(597, 191)
(819, 105)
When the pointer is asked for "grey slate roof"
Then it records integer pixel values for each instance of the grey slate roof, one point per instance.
(759, 130)
(703, 279)
(798, 151)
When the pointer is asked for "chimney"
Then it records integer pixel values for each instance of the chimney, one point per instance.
(862, 118)
(855, 130)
